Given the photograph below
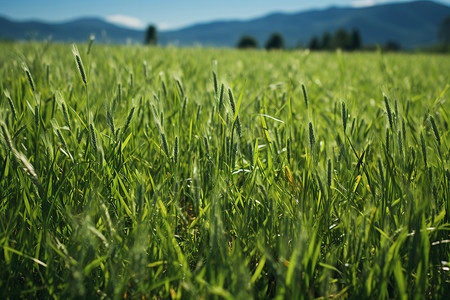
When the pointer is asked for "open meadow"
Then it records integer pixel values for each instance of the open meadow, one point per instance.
(152, 173)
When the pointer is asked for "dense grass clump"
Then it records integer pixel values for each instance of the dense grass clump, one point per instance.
(209, 173)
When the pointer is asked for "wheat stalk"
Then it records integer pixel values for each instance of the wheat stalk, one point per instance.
(79, 63)
(175, 150)
(164, 144)
(82, 73)
(11, 104)
(110, 120)
(29, 77)
(344, 117)
(222, 88)
(215, 83)
(180, 88)
(389, 113)
(91, 42)
(312, 138)
(424, 148)
(93, 137)
(128, 121)
(305, 95)
(435, 130)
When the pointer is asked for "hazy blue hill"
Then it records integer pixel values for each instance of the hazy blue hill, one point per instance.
(71, 31)
(411, 24)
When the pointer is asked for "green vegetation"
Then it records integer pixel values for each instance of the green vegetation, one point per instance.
(444, 32)
(209, 173)
(247, 41)
(151, 36)
(275, 41)
(341, 39)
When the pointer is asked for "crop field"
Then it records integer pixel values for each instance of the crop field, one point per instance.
(162, 173)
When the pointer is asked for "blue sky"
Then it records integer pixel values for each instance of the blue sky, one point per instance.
(166, 14)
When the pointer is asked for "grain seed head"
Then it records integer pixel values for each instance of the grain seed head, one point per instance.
(388, 111)
(93, 137)
(435, 130)
(11, 104)
(344, 117)
(29, 77)
(175, 150)
(312, 139)
(79, 64)
(305, 95)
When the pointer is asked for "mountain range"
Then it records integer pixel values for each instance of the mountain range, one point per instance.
(410, 24)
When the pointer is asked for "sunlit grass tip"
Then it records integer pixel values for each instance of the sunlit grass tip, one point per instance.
(91, 42)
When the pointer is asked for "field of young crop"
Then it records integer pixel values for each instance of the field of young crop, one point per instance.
(153, 173)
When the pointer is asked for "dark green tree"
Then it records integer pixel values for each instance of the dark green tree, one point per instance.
(342, 39)
(275, 41)
(247, 41)
(392, 46)
(151, 36)
(327, 41)
(314, 43)
(444, 31)
(355, 40)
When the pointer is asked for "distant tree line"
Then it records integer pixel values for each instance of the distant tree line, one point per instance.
(340, 39)
(444, 32)
(443, 35)
(247, 42)
(328, 41)
(275, 41)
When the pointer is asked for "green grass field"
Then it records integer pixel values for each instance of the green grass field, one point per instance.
(154, 173)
